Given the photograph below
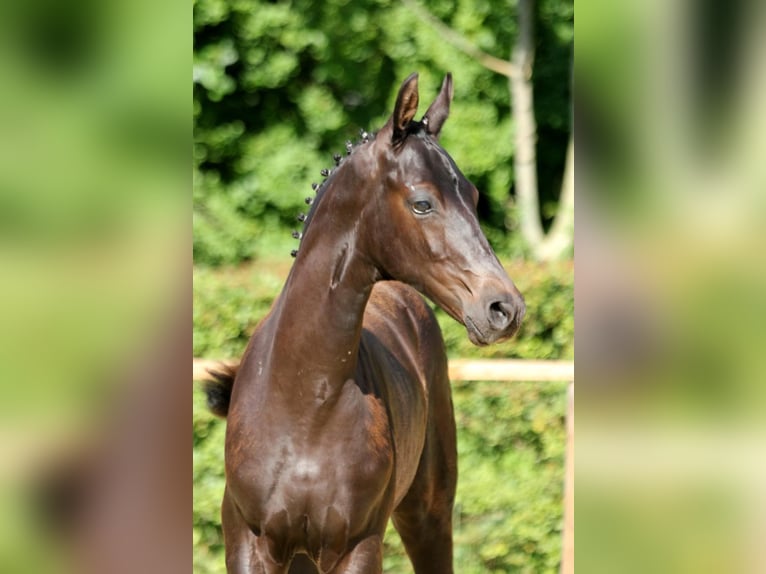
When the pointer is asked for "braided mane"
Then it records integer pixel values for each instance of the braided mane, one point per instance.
(320, 188)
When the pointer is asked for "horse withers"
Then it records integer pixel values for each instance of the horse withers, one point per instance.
(339, 415)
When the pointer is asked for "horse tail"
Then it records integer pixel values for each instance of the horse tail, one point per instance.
(218, 390)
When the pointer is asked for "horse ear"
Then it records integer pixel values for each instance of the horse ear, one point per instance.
(438, 111)
(406, 106)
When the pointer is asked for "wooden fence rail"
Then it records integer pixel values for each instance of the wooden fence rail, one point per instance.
(503, 370)
(464, 369)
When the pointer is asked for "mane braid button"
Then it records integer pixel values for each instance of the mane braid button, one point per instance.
(301, 217)
(337, 158)
(297, 235)
(349, 147)
(294, 253)
(325, 172)
(314, 186)
(309, 200)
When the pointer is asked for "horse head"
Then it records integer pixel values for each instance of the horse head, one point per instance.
(422, 227)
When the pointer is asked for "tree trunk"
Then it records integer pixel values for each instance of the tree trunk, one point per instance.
(525, 128)
(558, 242)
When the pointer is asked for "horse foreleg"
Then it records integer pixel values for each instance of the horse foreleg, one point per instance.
(246, 553)
(427, 538)
(424, 517)
(365, 558)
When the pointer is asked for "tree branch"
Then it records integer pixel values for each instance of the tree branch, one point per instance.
(498, 65)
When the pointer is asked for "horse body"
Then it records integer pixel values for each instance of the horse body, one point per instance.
(318, 467)
(340, 416)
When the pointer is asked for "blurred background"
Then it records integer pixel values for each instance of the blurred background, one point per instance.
(95, 257)
(281, 86)
(95, 260)
(671, 214)
(95, 254)
(96, 250)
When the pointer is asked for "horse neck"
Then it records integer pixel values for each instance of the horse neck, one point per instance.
(317, 322)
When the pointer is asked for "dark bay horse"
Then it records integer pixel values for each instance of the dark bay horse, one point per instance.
(340, 414)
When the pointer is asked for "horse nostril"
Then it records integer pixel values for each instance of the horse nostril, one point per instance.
(500, 314)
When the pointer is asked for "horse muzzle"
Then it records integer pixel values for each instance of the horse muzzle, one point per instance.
(494, 318)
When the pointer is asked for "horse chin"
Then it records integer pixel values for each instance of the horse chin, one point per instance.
(474, 334)
(489, 337)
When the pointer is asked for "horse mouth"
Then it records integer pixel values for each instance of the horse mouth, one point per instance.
(474, 333)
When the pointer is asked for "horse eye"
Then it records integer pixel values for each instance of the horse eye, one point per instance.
(421, 207)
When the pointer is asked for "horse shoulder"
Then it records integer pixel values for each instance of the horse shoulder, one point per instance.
(403, 342)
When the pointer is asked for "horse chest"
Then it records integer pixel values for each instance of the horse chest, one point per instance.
(310, 484)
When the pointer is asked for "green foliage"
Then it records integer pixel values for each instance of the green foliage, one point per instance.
(227, 309)
(279, 87)
(511, 445)
(510, 435)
